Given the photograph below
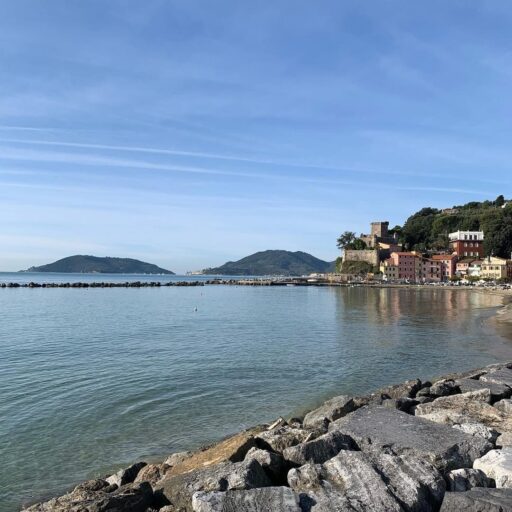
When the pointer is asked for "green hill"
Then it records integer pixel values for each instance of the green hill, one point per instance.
(93, 264)
(273, 262)
(429, 228)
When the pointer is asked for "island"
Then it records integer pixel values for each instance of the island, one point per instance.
(273, 262)
(81, 264)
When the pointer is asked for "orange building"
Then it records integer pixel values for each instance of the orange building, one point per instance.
(467, 243)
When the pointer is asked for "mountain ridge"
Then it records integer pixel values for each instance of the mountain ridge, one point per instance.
(82, 264)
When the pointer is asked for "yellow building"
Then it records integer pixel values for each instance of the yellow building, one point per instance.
(496, 268)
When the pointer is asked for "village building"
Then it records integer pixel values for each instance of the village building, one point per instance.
(448, 265)
(496, 268)
(411, 266)
(467, 243)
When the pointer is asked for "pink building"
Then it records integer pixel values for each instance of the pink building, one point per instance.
(411, 266)
(430, 270)
(448, 265)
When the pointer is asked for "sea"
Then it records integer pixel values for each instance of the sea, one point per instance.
(95, 379)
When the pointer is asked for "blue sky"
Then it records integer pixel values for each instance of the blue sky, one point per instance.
(192, 133)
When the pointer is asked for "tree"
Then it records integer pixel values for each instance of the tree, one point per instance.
(356, 245)
(500, 201)
(346, 238)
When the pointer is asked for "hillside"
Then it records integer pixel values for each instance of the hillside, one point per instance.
(93, 264)
(429, 227)
(273, 262)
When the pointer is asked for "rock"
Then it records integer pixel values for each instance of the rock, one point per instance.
(177, 490)
(444, 387)
(423, 392)
(280, 422)
(472, 407)
(91, 486)
(499, 376)
(352, 477)
(407, 389)
(497, 464)
(402, 404)
(478, 500)
(273, 463)
(232, 449)
(129, 498)
(498, 391)
(331, 410)
(375, 429)
(505, 406)
(177, 458)
(281, 438)
(126, 475)
(477, 429)
(504, 439)
(267, 499)
(319, 450)
(460, 480)
(151, 473)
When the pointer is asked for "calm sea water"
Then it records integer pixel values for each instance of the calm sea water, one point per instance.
(91, 379)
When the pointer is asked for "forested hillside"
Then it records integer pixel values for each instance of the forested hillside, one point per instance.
(429, 228)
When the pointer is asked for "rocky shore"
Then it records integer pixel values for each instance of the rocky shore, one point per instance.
(418, 446)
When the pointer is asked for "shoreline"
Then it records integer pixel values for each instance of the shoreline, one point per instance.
(506, 301)
(438, 435)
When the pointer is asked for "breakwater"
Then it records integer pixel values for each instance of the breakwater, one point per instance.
(441, 445)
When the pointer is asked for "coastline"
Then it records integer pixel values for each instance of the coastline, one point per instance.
(441, 436)
(495, 309)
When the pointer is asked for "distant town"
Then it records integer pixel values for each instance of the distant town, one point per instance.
(381, 254)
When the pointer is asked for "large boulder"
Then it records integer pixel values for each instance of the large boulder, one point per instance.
(357, 481)
(87, 498)
(319, 450)
(151, 473)
(281, 438)
(478, 429)
(232, 449)
(499, 376)
(331, 410)
(478, 500)
(505, 406)
(177, 490)
(378, 429)
(266, 499)
(273, 463)
(497, 464)
(444, 387)
(472, 407)
(498, 391)
(350, 476)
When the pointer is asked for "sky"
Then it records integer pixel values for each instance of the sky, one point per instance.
(191, 133)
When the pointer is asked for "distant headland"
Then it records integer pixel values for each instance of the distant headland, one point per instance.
(81, 264)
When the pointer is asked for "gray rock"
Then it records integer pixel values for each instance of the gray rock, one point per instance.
(319, 450)
(352, 477)
(497, 464)
(130, 498)
(267, 499)
(375, 429)
(126, 475)
(177, 490)
(177, 458)
(504, 440)
(478, 429)
(460, 480)
(281, 438)
(407, 389)
(498, 391)
(331, 410)
(500, 376)
(402, 404)
(478, 500)
(444, 387)
(505, 406)
(273, 463)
